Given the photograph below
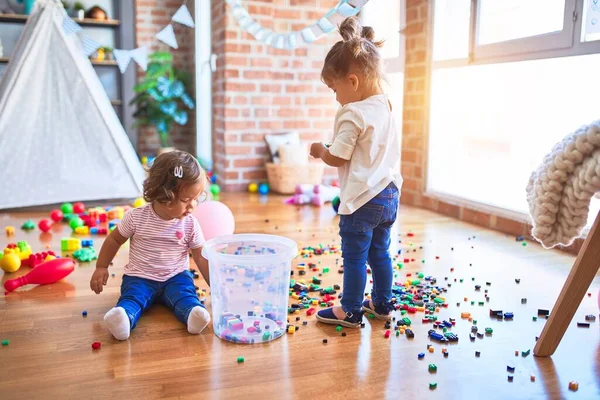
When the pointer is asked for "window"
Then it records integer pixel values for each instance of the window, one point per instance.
(497, 110)
(500, 21)
(388, 18)
(451, 29)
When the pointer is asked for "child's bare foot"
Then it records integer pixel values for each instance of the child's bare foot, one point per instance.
(118, 323)
(197, 320)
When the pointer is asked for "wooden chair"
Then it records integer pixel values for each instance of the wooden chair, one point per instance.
(580, 278)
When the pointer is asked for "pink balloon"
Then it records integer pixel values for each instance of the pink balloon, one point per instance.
(215, 218)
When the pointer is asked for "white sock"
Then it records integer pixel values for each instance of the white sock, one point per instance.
(197, 320)
(118, 323)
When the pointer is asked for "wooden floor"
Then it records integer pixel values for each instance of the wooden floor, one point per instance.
(50, 354)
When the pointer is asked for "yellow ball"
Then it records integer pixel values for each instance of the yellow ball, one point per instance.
(10, 262)
(253, 188)
(139, 202)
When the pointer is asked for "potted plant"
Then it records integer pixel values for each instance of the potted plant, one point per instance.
(108, 52)
(78, 10)
(162, 97)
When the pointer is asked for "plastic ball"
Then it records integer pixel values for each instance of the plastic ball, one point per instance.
(67, 208)
(56, 215)
(10, 262)
(78, 208)
(213, 179)
(335, 203)
(253, 187)
(263, 188)
(215, 219)
(45, 225)
(139, 202)
(215, 189)
(75, 223)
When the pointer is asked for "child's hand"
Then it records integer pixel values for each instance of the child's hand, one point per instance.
(317, 149)
(99, 279)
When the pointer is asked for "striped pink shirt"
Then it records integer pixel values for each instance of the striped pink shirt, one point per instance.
(158, 248)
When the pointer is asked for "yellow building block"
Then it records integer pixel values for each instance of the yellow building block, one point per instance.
(10, 230)
(82, 230)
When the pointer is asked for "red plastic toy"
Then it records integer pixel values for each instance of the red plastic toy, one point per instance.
(45, 225)
(78, 208)
(56, 215)
(36, 259)
(49, 272)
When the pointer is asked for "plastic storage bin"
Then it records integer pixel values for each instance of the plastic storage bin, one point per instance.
(249, 285)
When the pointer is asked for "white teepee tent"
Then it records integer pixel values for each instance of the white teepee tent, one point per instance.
(60, 138)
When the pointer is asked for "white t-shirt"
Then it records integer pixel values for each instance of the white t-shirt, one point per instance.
(365, 133)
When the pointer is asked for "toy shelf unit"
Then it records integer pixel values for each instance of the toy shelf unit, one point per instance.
(116, 30)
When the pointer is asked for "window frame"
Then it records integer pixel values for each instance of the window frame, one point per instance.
(528, 48)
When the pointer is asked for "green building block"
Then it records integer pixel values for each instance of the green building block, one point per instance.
(28, 225)
(240, 359)
(437, 300)
(421, 275)
(406, 321)
(338, 328)
(489, 331)
(432, 368)
(266, 336)
(433, 385)
(5, 342)
(534, 319)
(402, 312)
(525, 353)
(85, 254)
(325, 270)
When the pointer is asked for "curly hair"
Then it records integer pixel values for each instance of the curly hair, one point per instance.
(169, 173)
(357, 49)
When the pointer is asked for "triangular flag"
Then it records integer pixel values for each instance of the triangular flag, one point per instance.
(184, 17)
(70, 27)
(123, 58)
(167, 36)
(140, 55)
(89, 45)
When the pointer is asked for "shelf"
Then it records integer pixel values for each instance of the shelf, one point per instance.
(109, 63)
(83, 22)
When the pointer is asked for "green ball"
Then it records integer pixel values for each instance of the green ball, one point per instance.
(336, 204)
(66, 208)
(215, 189)
(75, 223)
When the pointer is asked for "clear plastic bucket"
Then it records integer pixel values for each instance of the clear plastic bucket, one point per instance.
(249, 285)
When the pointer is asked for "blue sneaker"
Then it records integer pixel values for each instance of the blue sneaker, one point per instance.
(352, 320)
(380, 311)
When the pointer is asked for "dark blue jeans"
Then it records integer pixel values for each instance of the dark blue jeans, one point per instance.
(366, 237)
(177, 293)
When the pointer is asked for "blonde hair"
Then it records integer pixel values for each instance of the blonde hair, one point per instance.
(169, 173)
(357, 49)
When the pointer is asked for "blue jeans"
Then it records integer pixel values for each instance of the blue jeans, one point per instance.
(366, 237)
(178, 293)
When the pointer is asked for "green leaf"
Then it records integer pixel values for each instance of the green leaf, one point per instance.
(188, 101)
(181, 117)
(169, 108)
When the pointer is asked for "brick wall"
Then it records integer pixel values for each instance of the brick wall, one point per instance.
(415, 135)
(151, 17)
(259, 90)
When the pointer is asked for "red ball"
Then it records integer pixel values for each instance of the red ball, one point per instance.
(45, 225)
(78, 208)
(96, 345)
(56, 215)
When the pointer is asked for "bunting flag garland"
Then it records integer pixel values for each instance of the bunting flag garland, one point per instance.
(291, 40)
(140, 54)
(183, 17)
(69, 26)
(124, 57)
(167, 36)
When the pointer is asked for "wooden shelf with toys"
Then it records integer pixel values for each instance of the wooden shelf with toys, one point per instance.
(20, 18)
